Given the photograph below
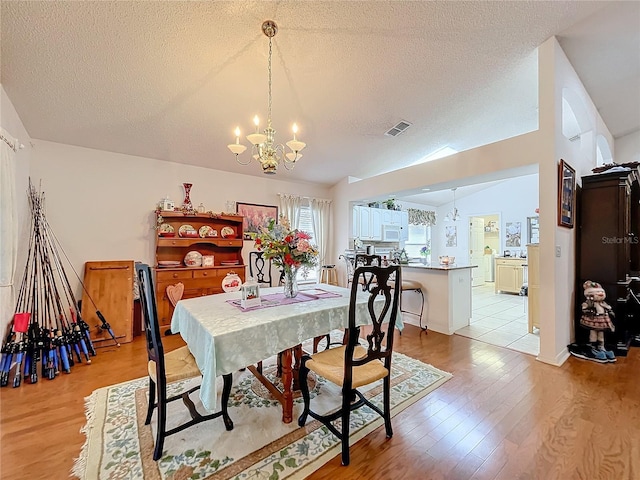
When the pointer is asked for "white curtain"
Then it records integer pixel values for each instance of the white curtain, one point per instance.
(320, 216)
(8, 231)
(290, 208)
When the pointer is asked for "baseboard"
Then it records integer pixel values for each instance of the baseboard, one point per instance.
(556, 361)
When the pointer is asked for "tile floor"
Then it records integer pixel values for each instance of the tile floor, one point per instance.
(501, 319)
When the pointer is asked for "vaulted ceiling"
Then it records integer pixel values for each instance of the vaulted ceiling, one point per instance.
(172, 80)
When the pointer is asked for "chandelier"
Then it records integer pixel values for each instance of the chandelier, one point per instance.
(264, 149)
(453, 215)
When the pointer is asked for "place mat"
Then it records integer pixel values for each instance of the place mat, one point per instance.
(276, 299)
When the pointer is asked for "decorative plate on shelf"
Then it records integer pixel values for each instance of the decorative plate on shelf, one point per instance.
(169, 263)
(228, 263)
(193, 259)
(207, 231)
(231, 282)
(228, 232)
(166, 228)
(187, 231)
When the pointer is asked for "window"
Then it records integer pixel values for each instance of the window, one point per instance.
(419, 236)
(306, 225)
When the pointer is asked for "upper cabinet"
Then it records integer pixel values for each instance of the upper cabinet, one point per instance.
(367, 223)
(404, 226)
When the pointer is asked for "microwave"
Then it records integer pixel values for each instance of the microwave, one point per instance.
(390, 233)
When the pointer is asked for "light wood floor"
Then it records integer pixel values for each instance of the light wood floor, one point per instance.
(504, 415)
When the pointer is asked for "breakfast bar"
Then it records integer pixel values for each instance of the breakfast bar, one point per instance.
(447, 291)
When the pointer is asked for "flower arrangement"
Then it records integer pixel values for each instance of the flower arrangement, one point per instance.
(426, 250)
(286, 247)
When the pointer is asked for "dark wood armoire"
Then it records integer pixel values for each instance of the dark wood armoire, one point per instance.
(608, 249)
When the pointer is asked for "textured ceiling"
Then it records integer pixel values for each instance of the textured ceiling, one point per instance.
(172, 80)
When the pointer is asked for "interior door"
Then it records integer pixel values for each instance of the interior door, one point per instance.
(476, 250)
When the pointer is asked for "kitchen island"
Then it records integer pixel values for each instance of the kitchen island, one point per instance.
(447, 290)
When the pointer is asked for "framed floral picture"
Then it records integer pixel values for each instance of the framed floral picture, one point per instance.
(566, 194)
(255, 216)
(451, 234)
(513, 234)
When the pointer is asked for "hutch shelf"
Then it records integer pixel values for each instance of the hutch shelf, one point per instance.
(197, 280)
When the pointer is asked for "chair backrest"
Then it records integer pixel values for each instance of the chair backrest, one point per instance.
(363, 259)
(349, 269)
(259, 268)
(380, 340)
(155, 350)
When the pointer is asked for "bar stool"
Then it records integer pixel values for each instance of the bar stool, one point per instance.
(411, 285)
(329, 275)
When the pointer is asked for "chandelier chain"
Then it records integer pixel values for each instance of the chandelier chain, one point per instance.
(269, 111)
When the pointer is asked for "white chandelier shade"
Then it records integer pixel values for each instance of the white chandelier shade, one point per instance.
(264, 149)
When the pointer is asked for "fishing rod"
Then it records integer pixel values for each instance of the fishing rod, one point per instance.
(47, 329)
(104, 324)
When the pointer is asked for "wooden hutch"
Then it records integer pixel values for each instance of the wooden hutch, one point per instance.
(200, 280)
(608, 248)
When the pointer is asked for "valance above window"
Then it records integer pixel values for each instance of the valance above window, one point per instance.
(421, 217)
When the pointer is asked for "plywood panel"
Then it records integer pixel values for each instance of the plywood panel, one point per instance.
(110, 286)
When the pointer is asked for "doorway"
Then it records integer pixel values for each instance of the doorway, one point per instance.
(484, 245)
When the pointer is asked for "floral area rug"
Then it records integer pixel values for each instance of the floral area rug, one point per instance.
(120, 446)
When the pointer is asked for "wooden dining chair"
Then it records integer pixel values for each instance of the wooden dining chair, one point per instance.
(260, 268)
(349, 268)
(170, 367)
(363, 260)
(352, 366)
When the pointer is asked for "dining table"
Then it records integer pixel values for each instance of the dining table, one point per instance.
(224, 338)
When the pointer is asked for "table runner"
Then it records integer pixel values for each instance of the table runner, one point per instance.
(278, 299)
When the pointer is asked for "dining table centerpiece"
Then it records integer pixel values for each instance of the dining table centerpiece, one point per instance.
(289, 249)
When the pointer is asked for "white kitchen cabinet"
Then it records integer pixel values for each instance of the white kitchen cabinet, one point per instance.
(404, 226)
(375, 216)
(387, 217)
(367, 223)
(355, 222)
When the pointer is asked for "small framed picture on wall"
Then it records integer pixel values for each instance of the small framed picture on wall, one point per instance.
(566, 194)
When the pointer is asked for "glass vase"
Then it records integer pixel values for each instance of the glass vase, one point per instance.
(290, 282)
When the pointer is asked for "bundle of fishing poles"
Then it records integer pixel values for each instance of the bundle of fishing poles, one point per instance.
(47, 334)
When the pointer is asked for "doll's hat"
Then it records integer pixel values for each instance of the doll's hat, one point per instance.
(590, 287)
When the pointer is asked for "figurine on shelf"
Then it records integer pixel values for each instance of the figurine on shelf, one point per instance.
(596, 316)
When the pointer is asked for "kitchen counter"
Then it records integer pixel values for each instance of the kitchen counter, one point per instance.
(429, 266)
(447, 290)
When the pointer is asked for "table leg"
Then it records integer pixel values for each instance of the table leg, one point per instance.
(288, 375)
(287, 394)
(297, 357)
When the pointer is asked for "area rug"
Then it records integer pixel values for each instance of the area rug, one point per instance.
(120, 446)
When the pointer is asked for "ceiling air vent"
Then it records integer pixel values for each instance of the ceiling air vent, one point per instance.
(398, 129)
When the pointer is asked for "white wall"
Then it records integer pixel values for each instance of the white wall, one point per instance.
(628, 148)
(100, 204)
(514, 200)
(10, 121)
(557, 274)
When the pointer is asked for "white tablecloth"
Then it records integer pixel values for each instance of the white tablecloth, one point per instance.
(223, 338)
